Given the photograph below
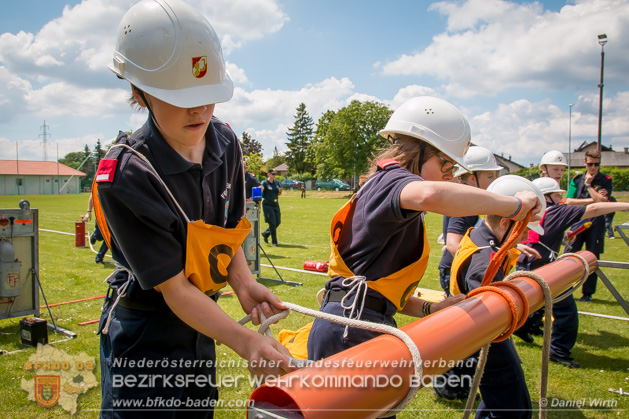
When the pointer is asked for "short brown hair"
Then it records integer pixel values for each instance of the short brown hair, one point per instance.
(595, 154)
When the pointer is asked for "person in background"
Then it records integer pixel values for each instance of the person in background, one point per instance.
(553, 165)
(585, 189)
(96, 234)
(271, 190)
(482, 170)
(303, 190)
(503, 386)
(251, 181)
(557, 218)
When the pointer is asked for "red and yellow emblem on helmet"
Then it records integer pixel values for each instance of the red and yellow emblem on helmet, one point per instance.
(199, 66)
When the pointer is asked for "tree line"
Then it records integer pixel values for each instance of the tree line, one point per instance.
(340, 145)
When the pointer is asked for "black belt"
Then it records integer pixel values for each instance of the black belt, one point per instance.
(371, 302)
(137, 304)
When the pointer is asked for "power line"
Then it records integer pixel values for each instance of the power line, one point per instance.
(45, 135)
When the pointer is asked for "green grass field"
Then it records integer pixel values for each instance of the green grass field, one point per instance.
(69, 273)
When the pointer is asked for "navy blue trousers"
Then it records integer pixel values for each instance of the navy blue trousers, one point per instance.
(593, 239)
(273, 217)
(146, 358)
(503, 388)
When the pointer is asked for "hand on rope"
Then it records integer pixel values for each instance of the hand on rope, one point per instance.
(496, 262)
(378, 327)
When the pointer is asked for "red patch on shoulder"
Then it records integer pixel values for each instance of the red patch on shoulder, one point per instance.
(106, 170)
(386, 162)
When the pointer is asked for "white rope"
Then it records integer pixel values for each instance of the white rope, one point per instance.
(548, 309)
(360, 324)
(122, 291)
(577, 284)
(357, 284)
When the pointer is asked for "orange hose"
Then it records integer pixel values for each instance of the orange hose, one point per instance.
(496, 261)
(451, 334)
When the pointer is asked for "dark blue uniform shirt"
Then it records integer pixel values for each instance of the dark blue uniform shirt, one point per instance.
(456, 225)
(148, 231)
(379, 237)
(557, 219)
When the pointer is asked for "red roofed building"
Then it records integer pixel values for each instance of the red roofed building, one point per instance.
(27, 177)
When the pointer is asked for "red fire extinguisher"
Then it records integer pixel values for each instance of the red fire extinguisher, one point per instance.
(310, 265)
(79, 234)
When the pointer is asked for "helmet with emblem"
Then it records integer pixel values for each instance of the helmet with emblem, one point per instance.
(553, 157)
(169, 50)
(435, 121)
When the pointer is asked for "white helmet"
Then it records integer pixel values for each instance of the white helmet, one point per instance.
(547, 185)
(478, 159)
(553, 157)
(434, 121)
(509, 185)
(169, 50)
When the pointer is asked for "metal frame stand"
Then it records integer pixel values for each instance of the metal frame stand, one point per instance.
(619, 265)
(252, 246)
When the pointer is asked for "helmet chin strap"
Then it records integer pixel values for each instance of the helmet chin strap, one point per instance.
(476, 178)
(551, 200)
(148, 106)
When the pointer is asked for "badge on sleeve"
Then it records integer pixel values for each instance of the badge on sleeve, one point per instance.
(106, 170)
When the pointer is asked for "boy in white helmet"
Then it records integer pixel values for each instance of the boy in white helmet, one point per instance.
(173, 198)
(378, 239)
(555, 221)
(553, 165)
(482, 170)
(502, 387)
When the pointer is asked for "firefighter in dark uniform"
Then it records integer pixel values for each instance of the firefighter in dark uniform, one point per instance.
(482, 169)
(271, 190)
(171, 197)
(587, 188)
(378, 239)
(503, 386)
(251, 181)
(557, 218)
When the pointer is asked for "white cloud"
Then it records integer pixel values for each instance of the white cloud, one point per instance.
(522, 128)
(494, 45)
(410, 92)
(236, 73)
(260, 109)
(13, 90)
(239, 21)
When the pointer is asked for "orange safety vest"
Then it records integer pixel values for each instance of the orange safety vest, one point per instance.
(397, 287)
(466, 249)
(209, 248)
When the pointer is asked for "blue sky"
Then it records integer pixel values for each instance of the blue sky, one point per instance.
(512, 67)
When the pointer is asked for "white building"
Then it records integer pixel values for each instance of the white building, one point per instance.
(24, 177)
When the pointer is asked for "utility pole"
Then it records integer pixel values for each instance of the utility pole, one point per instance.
(602, 40)
(45, 134)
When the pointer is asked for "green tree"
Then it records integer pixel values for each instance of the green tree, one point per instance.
(254, 163)
(250, 145)
(73, 159)
(346, 140)
(299, 140)
(277, 159)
